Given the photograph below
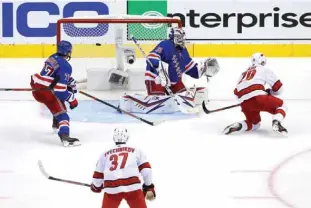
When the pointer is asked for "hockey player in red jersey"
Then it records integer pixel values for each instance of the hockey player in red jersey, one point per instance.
(117, 172)
(254, 98)
(54, 86)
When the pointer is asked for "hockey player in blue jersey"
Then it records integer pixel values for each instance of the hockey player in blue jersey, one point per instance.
(174, 53)
(54, 86)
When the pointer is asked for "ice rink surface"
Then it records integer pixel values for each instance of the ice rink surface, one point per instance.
(194, 165)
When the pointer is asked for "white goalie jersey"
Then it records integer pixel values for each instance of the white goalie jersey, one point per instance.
(119, 170)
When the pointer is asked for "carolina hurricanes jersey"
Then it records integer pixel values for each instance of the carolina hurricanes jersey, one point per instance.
(252, 83)
(119, 168)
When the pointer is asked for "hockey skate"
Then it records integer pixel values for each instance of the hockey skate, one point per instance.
(277, 127)
(55, 125)
(68, 141)
(232, 128)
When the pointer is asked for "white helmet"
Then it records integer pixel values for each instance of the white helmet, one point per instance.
(120, 135)
(259, 59)
(177, 35)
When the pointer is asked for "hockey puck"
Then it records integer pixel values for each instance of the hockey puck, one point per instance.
(98, 44)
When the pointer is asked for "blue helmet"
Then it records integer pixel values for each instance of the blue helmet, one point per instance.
(64, 47)
(177, 35)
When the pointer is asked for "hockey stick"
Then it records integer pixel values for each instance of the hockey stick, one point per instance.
(22, 89)
(217, 110)
(40, 164)
(154, 123)
(181, 108)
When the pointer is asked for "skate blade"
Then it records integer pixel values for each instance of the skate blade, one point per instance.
(71, 144)
(282, 133)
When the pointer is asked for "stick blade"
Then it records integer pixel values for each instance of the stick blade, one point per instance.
(190, 110)
(204, 108)
(40, 164)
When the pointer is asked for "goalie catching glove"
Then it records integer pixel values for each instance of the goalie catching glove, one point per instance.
(209, 67)
(149, 192)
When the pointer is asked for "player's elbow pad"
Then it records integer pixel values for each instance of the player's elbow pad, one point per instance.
(278, 92)
(154, 63)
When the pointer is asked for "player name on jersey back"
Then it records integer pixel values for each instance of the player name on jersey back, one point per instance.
(120, 149)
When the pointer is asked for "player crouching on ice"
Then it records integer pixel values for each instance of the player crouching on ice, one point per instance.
(174, 53)
(54, 86)
(254, 98)
(117, 171)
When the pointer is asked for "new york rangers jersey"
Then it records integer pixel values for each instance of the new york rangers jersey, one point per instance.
(178, 61)
(252, 83)
(119, 169)
(55, 67)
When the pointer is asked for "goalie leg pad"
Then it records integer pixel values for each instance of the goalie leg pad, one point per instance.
(195, 95)
(150, 104)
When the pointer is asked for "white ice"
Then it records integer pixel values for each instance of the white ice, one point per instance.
(194, 164)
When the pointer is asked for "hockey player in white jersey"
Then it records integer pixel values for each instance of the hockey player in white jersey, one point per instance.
(255, 98)
(117, 172)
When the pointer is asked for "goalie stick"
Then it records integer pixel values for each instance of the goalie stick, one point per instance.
(40, 164)
(217, 110)
(181, 108)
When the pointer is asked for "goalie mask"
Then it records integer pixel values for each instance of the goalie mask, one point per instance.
(258, 59)
(120, 136)
(177, 35)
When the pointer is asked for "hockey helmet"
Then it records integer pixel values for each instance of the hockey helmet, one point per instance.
(120, 135)
(177, 35)
(258, 59)
(64, 48)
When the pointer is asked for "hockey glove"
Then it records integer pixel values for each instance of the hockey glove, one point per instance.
(209, 67)
(72, 85)
(73, 102)
(149, 192)
(96, 189)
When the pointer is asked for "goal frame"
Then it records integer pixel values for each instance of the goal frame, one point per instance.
(112, 20)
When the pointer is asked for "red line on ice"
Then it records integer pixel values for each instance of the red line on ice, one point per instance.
(272, 176)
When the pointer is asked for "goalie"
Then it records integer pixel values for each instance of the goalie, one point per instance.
(157, 79)
(175, 54)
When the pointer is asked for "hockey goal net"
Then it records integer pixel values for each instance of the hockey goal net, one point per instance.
(86, 32)
(100, 42)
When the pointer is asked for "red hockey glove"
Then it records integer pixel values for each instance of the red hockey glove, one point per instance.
(96, 189)
(73, 102)
(149, 192)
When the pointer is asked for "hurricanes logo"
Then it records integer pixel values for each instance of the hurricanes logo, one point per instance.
(152, 26)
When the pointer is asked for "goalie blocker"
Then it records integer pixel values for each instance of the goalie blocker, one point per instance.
(158, 104)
